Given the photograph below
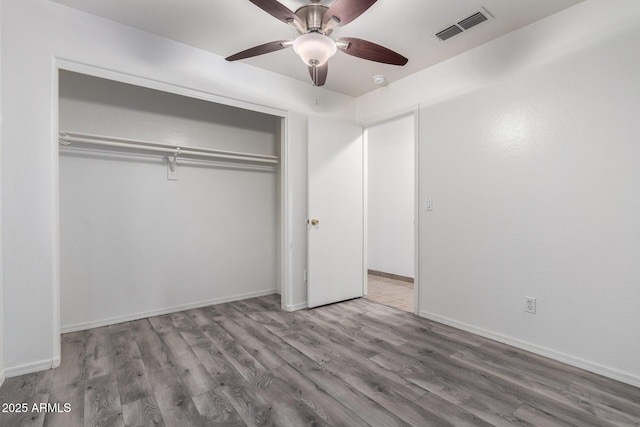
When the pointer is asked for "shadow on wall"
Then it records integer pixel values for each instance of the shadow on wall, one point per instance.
(83, 88)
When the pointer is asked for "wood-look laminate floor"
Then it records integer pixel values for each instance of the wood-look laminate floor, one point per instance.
(356, 363)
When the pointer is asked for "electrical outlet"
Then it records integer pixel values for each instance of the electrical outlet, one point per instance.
(530, 305)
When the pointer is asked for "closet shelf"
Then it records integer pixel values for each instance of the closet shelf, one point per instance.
(68, 138)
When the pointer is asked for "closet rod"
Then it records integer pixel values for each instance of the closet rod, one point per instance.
(66, 138)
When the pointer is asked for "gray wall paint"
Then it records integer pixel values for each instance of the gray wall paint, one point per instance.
(133, 242)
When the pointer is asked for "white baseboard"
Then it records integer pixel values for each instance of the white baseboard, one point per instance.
(30, 368)
(143, 315)
(1, 377)
(542, 351)
(295, 307)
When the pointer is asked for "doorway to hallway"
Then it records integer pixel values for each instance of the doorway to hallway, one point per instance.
(391, 292)
(390, 180)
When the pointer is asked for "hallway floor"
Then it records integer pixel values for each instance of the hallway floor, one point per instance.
(391, 292)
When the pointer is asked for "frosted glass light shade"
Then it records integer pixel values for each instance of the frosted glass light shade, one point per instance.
(314, 48)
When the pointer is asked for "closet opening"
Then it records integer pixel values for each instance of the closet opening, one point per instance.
(166, 202)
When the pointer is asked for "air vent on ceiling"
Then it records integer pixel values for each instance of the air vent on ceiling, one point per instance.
(448, 32)
(464, 24)
(472, 20)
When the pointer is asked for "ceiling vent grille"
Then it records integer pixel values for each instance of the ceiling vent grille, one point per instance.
(464, 24)
(472, 20)
(448, 32)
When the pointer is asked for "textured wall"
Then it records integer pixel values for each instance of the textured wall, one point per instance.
(531, 161)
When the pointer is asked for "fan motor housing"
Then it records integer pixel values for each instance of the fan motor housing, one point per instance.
(312, 15)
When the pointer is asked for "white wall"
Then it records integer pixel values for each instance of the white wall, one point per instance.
(298, 253)
(1, 299)
(528, 147)
(390, 147)
(134, 243)
(34, 34)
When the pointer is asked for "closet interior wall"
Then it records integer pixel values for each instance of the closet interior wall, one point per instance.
(132, 242)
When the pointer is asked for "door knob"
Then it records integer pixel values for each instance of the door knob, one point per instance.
(313, 222)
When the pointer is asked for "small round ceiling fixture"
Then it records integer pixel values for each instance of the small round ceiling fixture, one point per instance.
(380, 80)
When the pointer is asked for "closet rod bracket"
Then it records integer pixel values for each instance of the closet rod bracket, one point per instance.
(62, 139)
(172, 171)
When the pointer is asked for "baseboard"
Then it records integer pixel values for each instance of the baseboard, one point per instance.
(390, 276)
(1, 377)
(30, 368)
(295, 307)
(143, 315)
(542, 351)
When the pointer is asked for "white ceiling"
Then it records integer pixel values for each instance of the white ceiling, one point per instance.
(225, 27)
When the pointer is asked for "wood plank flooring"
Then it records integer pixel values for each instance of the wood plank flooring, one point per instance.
(356, 363)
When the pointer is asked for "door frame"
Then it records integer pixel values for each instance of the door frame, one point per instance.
(415, 113)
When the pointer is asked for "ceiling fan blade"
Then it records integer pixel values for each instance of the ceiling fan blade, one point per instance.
(373, 52)
(319, 74)
(277, 10)
(347, 10)
(259, 50)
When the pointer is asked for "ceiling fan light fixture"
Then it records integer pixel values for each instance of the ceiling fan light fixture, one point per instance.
(314, 48)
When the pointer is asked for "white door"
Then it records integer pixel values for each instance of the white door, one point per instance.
(336, 197)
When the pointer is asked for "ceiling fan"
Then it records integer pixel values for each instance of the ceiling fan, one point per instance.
(315, 22)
